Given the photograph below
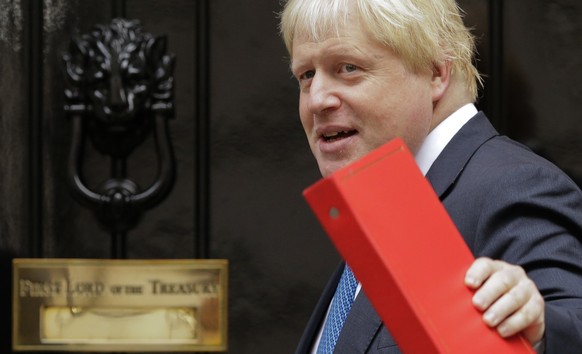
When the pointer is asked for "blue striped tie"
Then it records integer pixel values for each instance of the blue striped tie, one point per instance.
(340, 306)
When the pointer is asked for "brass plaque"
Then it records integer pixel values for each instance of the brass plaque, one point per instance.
(119, 305)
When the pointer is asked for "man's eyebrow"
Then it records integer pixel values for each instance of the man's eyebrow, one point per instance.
(295, 64)
(291, 64)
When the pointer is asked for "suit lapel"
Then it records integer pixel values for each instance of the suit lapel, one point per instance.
(452, 160)
(314, 323)
(360, 327)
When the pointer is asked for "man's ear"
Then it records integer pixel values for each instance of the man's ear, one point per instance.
(441, 79)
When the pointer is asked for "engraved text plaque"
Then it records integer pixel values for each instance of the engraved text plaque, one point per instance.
(119, 305)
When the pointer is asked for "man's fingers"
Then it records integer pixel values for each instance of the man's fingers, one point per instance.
(509, 302)
(478, 272)
(492, 279)
(529, 317)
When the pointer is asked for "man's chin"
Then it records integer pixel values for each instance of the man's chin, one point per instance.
(328, 168)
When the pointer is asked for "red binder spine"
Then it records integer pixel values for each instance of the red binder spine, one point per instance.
(387, 223)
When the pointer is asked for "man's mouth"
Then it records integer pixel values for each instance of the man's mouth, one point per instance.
(331, 137)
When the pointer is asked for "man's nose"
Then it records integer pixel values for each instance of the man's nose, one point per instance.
(322, 94)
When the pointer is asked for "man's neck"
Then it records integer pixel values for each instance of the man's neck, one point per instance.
(440, 136)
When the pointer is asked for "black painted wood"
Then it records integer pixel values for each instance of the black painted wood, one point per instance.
(118, 8)
(35, 97)
(495, 81)
(202, 145)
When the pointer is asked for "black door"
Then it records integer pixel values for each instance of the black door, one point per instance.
(241, 156)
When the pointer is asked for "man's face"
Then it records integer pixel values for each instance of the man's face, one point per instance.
(355, 95)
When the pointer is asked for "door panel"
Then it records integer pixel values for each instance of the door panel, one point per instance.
(543, 87)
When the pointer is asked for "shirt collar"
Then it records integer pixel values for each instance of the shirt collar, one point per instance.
(440, 136)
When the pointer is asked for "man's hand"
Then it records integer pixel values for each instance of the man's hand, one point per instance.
(510, 301)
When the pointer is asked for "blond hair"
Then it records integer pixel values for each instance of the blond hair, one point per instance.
(421, 32)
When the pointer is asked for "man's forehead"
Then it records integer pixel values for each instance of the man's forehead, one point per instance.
(307, 49)
(349, 40)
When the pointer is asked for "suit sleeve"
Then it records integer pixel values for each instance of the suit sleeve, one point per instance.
(532, 216)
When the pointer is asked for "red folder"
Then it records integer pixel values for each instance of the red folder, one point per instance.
(390, 227)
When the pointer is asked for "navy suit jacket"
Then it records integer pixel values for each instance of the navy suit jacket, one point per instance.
(508, 203)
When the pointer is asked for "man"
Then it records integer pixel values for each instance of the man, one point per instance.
(373, 70)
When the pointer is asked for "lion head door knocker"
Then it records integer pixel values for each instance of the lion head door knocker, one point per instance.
(120, 89)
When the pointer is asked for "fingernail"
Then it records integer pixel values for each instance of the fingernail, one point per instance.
(490, 318)
(477, 301)
(469, 280)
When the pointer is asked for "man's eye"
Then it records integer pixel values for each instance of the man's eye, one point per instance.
(348, 68)
(307, 75)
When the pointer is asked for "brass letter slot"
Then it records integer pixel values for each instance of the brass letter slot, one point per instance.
(119, 305)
